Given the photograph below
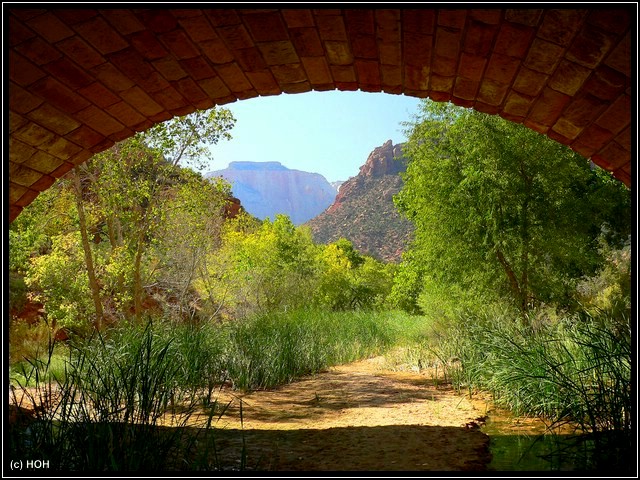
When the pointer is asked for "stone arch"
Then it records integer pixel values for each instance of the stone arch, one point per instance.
(82, 79)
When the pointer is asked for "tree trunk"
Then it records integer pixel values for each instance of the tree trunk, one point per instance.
(88, 257)
(513, 281)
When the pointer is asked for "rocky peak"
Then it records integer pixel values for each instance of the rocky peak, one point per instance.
(384, 160)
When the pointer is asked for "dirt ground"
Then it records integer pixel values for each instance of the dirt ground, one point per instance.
(356, 417)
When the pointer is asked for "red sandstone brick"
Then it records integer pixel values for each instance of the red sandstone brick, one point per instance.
(364, 47)
(296, 18)
(198, 28)
(123, 20)
(614, 156)
(390, 54)
(391, 89)
(266, 27)
(590, 47)
(81, 52)
(85, 137)
(452, 18)
(582, 149)
(595, 137)
(446, 67)
(43, 162)
(462, 102)
(15, 192)
(97, 94)
(235, 37)
(620, 57)
(278, 53)
(530, 17)
(440, 96)
(306, 42)
(471, 67)
(50, 27)
(368, 72)
(59, 95)
(478, 38)
(69, 73)
(611, 20)
(624, 137)
(85, 155)
(416, 79)
(418, 49)
(53, 119)
(98, 33)
(121, 135)
(583, 110)
(548, 107)
(359, 22)
(391, 78)
(554, 135)
(169, 98)
(347, 86)
(331, 27)
(219, 17)
(517, 105)
(169, 68)
(543, 56)
(216, 51)
(530, 82)
(20, 100)
(16, 121)
(14, 211)
(143, 126)
(27, 198)
(569, 77)
(448, 43)
(492, 92)
(61, 148)
(23, 175)
(617, 116)
(264, 83)
(74, 16)
(251, 93)
(338, 53)
(161, 117)
(180, 13)
(250, 59)
(216, 89)
(421, 21)
(233, 77)
(100, 121)
(198, 68)
(179, 44)
(325, 87)
(513, 40)
(441, 84)
(141, 101)
(45, 182)
(535, 126)
(132, 65)
(343, 74)
(34, 135)
(125, 114)
(326, 11)
(148, 45)
(293, 88)
(317, 70)
(62, 170)
(289, 74)
(501, 68)
(512, 118)
(190, 90)
(38, 51)
(18, 31)
(19, 151)
(565, 129)
(22, 71)
(157, 20)
(181, 112)
(466, 89)
(488, 16)
(559, 26)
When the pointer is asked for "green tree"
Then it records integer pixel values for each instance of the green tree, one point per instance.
(500, 210)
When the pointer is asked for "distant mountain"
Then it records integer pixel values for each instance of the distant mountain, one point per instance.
(363, 211)
(268, 188)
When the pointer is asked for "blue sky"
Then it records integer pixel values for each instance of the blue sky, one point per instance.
(330, 133)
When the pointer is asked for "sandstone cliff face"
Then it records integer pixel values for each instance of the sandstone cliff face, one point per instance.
(268, 188)
(363, 210)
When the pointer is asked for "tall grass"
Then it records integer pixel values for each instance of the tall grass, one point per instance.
(576, 370)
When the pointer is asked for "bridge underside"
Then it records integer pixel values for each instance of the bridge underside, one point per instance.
(82, 79)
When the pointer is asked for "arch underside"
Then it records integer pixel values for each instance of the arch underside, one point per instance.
(82, 79)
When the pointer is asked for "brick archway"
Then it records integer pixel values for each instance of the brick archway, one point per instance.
(80, 80)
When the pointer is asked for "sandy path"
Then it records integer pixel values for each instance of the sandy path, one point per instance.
(356, 417)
